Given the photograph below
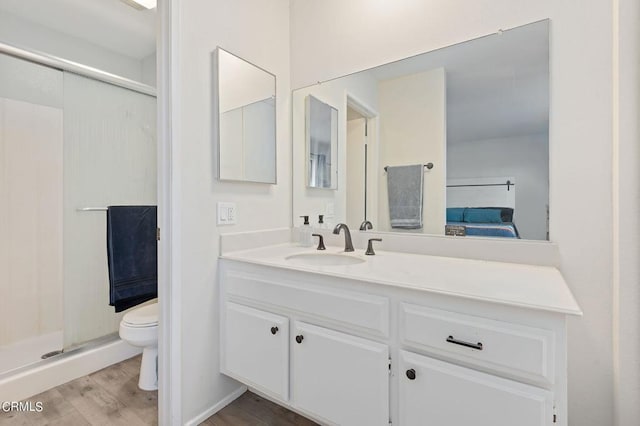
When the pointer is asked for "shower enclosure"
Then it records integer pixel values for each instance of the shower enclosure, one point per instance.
(70, 145)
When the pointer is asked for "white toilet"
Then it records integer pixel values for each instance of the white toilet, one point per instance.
(140, 328)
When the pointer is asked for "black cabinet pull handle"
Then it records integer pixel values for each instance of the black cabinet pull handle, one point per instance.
(477, 346)
(411, 374)
(299, 338)
(274, 330)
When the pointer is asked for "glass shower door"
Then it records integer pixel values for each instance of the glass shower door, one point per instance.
(110, 159)
(31, 212)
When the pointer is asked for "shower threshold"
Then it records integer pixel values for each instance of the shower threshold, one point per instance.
(36, 358)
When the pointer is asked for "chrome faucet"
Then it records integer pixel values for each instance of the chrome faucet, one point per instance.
(348, 244)
(366, 225)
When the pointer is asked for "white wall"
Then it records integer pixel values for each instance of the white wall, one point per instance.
(526, 158)
(149, 73)
(626, 334)
(364, 34)
(413, 130)
(315, 201)
(258, 32)
(22, 33)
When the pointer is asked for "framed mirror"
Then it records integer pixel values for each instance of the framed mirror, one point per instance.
(322, 144)
(476, 113)
(245, 117)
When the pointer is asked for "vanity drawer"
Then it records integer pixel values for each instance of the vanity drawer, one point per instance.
(513, 348)
(361, 311)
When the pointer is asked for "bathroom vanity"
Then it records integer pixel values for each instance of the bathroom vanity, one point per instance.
(397, 338)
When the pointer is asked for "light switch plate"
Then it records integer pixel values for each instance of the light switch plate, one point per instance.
(227, 213)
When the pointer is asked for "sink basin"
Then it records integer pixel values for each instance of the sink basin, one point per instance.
(323, 259)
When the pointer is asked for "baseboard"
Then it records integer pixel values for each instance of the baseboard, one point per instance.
(217, 407)
(41, 377)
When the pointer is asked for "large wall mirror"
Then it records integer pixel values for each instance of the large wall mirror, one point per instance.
(245, 112)
(449, 142)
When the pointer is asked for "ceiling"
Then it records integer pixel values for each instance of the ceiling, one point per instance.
(110, 24)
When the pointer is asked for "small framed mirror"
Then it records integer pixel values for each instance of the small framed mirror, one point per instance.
(245, 113)
(322, 144)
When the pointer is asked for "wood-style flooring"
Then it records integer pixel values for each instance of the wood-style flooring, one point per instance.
(251, 409)
(107, 397)
(111, 397)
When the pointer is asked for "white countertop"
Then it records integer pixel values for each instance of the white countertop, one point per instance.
(534, 287)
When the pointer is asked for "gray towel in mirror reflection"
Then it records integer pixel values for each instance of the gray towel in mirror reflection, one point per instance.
(405, 189)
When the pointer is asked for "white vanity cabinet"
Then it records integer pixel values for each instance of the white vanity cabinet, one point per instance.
(353, 352)
(339, 377)
(334, 376)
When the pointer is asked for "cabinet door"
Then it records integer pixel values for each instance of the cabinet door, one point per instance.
(255, 349)
(338, 377)
(438, 393)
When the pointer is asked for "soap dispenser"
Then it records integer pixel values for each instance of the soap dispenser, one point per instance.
(304, 237)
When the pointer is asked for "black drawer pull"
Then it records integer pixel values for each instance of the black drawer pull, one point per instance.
(274, 330)
(299, 338)
(411, 374)
(477, 346)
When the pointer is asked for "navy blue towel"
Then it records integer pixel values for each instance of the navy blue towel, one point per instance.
(132, 253)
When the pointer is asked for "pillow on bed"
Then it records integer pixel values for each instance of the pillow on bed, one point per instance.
(482, 216)
(505, 212)
(455, 214)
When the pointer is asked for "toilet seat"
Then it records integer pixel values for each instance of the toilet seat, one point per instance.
(146, 316)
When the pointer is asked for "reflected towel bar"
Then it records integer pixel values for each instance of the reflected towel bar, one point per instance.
(508, 184)
(429, 166)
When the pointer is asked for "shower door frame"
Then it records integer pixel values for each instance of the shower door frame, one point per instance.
(60, 64)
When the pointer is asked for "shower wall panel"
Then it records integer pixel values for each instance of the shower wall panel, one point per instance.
(30, 220)
(31, 209)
